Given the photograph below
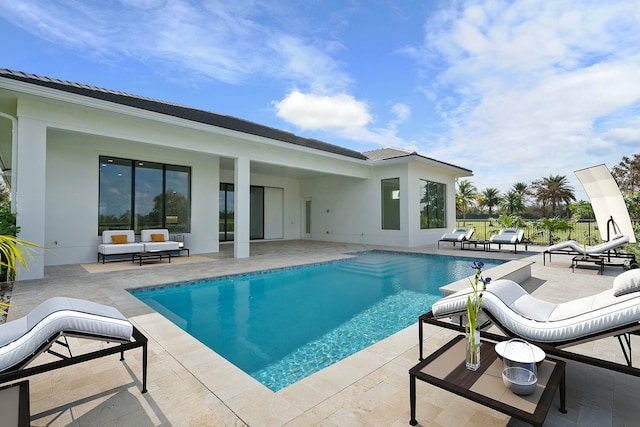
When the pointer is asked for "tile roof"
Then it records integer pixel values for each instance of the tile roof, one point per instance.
(180, 111)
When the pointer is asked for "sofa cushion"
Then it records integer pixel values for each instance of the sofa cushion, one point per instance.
(161, 246)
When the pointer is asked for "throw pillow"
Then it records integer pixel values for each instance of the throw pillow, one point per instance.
(119, 239)
(627, 282)
(157, 237)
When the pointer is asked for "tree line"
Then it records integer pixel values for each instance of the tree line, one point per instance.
(551, 196)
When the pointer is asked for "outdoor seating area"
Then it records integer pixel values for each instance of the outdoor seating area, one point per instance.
(188, 383)
(116, 243)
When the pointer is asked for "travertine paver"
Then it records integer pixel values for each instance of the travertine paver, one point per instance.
(189, 385)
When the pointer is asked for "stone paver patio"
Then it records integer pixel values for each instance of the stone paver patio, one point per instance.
(190, 385)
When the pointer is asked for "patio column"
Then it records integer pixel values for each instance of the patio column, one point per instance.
(241, 208)
(30, 170)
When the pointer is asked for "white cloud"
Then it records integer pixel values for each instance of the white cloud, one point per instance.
(529, 89)
(341, 113)
(225, 41)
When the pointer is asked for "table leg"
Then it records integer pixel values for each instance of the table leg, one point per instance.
(412, 399)
(420, 337)
(563, 395)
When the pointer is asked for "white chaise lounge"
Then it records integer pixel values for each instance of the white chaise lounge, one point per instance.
(614, 312)
(118, 243)
(571, 247)
(24, 339)
(457, 235)
(158, 240)
(508, 236)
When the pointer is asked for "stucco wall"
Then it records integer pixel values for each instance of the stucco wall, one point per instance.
(71, 226)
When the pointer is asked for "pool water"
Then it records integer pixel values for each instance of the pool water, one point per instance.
(282, 325)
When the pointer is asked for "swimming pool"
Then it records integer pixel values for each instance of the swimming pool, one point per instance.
(282, 325)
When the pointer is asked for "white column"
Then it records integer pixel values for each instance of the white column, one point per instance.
(30, 194)
(241, 188)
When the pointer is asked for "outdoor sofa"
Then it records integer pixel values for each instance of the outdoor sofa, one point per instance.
(123, 242)
(118, 242)
(158, 240)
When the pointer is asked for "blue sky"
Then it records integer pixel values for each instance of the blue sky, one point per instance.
(515, 91)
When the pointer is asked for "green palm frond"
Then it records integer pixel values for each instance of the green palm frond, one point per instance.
(14, 251)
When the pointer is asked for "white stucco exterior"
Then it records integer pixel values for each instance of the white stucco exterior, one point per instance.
(54, 177)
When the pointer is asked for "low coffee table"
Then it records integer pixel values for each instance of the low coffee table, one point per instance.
(446, 369)
(597, 260)
(143, 256)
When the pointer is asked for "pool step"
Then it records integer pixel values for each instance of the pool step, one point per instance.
(379, 269)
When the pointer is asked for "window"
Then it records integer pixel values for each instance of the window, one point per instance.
(433, 197)
(391, 204)
(136, 195)
(226, 218)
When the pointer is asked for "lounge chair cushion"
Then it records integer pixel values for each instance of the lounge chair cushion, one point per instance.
(458, 235)
(19, 339)
(565, 322)
(508, 235)
(573, 246)
(627, 282)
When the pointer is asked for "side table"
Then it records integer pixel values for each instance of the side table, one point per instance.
(599, 261)
(476, 243)
(14, 405)
(446, 369)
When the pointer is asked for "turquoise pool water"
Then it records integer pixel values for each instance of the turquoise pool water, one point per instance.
(282, 325)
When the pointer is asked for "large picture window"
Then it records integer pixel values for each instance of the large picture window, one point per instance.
(433, 197)
(137, 195)
(391, 204)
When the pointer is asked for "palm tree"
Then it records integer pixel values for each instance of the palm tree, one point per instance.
(490, 197)
(465, 197)
(12, 251)
(512, 203)
(553, 191)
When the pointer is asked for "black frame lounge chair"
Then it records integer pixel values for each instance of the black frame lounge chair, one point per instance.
(22, 340)
(508, 236)
(458, 235)
(608, 250)
(552, 327)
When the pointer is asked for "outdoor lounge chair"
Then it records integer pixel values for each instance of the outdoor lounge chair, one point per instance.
(457, 235)
(508, 236)
(553, 327)
(24, 339)
(571, 247)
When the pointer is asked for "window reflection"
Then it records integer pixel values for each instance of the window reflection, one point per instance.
(137, 195)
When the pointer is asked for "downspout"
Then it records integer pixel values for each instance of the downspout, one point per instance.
(14, 158)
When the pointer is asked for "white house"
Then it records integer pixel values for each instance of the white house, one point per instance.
(81, 159)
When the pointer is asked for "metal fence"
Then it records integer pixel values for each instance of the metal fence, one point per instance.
(583, 231)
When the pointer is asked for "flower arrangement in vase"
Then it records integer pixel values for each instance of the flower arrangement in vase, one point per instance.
(479, 285)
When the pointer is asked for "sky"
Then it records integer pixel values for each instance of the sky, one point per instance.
(513, 90)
